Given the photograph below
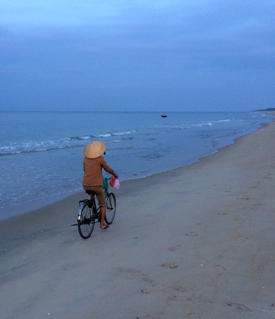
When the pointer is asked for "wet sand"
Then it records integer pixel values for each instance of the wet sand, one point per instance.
(194, 242)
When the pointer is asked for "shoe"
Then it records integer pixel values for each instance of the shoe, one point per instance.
(105, 227)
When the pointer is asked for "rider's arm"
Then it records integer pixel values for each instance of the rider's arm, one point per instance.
(108, 169)
(115, 175)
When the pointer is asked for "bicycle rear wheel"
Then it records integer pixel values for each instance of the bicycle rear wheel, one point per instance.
(86, 224)
(110, 208)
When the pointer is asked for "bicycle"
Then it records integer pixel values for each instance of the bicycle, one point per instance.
(89, 213)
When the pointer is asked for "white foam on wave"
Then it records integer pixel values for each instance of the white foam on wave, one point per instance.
(121, 133)
(221, 121)
(36, 146)
(201, 124)
(103, 135)
(67, 142)
(115, 141)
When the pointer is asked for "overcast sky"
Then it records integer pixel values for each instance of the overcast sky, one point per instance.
(137, 55)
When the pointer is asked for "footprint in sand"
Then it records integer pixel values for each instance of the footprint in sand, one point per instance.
(245, 198)
(148, 280)
(145, 291)
(174, 248)
(192, 234)
(172, 298)
(238, 306)
(170, 265)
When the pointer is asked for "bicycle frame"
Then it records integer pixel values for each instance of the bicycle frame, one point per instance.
(92, 202)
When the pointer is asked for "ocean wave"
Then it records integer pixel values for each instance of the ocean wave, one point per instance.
(193, 125)
(122, 133)
(221, 121)
(201, 124)
(67, 142)
(182, 126)
(103, 135)
(78, 138)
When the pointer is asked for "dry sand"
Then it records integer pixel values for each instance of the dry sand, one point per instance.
(195, 242)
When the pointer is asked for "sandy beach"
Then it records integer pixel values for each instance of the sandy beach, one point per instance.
(194, 242)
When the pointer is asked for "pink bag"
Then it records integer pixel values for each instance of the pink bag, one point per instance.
(114, 182)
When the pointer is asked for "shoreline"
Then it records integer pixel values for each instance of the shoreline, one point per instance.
(193, 242)
(36, 204)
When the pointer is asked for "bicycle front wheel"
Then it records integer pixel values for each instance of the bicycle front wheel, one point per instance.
(110, 208)
(86, 224)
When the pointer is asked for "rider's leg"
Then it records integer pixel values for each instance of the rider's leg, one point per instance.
(102, 203)
(102, 219)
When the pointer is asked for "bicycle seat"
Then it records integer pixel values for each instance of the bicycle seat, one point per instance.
(91, 192)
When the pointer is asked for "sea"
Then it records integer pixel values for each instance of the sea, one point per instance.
(41, 153)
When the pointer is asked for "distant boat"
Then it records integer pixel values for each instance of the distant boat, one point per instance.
(164, 115)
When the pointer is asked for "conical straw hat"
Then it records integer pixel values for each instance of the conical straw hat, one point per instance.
(94, 149)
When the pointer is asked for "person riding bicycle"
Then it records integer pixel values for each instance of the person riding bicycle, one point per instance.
(93, 178)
